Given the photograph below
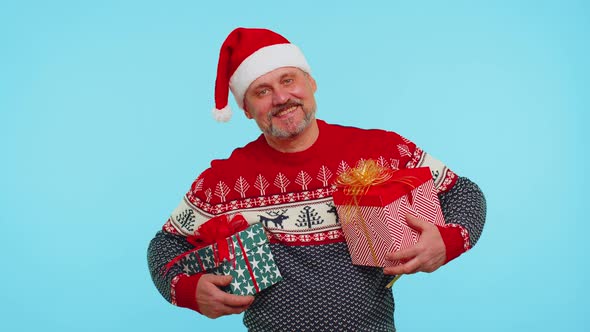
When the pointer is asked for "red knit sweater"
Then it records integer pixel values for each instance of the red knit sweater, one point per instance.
(277, 189)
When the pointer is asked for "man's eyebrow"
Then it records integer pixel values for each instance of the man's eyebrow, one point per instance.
(266, 85)
(289, 73)
(259, 86)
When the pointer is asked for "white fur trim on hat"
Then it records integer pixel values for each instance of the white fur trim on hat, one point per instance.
(222, 115)
(263, 61)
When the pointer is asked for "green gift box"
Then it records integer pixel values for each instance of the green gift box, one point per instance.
(249, 262)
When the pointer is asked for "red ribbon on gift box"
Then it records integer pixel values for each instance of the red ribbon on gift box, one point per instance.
(357, 181)
(214, 232)
(248, 265)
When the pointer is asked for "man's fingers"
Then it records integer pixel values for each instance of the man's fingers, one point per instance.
(403, 254)
(406, 268)
(214, 302)
(223, 310)
(219, 281)
(237, 300)
(236, 304)
(227, 299)
(227, 310)
(416, 223)
(427, 255)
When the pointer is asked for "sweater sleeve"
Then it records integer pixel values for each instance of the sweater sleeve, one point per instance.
(464, 209)
(175, 286)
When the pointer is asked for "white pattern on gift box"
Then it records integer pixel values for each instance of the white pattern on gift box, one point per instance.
(386, 228)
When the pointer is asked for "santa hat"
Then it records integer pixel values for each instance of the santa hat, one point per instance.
(245, 55)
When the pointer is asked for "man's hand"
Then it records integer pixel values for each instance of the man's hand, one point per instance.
(213, 302)
(425, 256)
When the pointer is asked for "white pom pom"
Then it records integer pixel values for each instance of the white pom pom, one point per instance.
(222, 115)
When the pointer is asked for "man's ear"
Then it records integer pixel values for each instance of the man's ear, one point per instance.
(246, 112)
(314, 85)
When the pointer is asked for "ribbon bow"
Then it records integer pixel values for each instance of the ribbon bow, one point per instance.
(356, 181)
(214, 232)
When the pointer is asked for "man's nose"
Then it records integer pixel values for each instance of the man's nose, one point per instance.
(280, 96)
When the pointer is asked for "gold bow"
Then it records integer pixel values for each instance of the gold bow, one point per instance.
(356, 182)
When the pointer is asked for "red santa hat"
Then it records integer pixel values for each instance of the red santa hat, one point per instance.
(245, 55)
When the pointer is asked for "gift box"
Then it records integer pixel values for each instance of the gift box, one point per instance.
(245, 255)
(372, 204)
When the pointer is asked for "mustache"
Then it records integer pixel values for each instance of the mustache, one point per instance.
(288, 104)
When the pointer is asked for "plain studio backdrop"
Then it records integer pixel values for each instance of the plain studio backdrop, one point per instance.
(105, 122)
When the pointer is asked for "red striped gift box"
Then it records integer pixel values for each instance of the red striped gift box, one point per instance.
(374, 222)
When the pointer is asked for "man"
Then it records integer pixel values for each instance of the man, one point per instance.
(286, 176)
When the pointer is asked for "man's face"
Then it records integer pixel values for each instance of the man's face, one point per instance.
(282, 102)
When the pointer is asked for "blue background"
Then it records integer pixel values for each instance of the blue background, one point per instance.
(105, 121)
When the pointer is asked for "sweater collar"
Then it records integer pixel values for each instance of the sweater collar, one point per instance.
(295, 157)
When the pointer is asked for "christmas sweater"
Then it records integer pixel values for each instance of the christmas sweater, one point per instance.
(291, 195)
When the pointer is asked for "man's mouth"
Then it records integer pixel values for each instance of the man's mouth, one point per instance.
(286, 110)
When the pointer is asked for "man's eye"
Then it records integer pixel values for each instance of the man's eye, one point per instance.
(287, 81)
(262, 92)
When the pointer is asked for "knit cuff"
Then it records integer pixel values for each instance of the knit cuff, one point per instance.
(184, 291)
(456, 239)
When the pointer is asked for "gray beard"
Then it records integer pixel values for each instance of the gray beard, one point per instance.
(284, 134)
